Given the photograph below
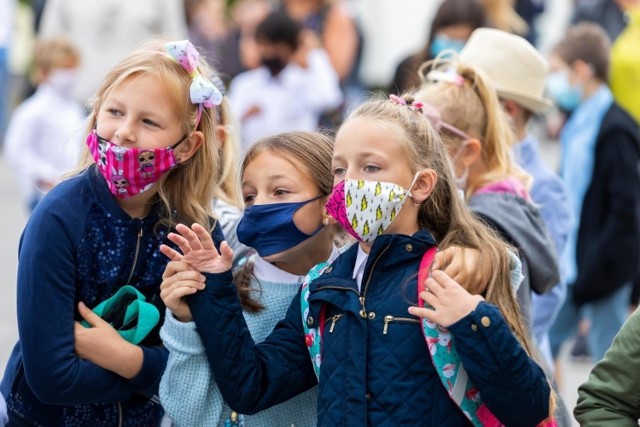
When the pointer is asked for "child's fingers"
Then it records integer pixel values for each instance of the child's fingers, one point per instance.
(176, 291)
(93, 319)
(442, 259)
(443, 279)
(204, 236)
(430, 299)
(182, 243)
(425, 313)
(174, 267)
(170, 253)
(174, 281)
(226, 253)
(191, 236)
(433, 286)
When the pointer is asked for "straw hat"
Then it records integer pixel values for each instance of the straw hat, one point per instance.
(515, 67)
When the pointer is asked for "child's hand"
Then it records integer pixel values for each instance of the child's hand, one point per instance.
(464, 265)
(450, 301)
(198, 250)
(179, 280)
(103, 345)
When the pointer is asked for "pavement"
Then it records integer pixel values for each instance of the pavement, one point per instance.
(13, 218)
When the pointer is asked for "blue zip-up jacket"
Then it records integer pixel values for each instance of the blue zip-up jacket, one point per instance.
(80, 246)
(376, 369)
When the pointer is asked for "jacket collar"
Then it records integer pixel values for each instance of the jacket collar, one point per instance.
(388, 252)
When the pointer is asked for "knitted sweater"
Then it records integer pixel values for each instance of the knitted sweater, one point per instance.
(188, 391)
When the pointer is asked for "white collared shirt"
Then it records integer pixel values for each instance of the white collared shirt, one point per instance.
(358, 267)
(264, 270)
(291, 101)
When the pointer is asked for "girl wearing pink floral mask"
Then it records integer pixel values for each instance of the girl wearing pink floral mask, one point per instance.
(152, 161)
(380, 355)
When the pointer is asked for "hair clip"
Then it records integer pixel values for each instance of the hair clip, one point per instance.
(449, 76)
(433, 115)
(398, 100)
(201, 90)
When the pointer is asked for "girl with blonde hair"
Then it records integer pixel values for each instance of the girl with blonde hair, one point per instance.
(463, 106)
(152, 162)
(394, 192)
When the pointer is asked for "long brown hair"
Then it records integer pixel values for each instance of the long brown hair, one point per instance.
(445, 214)
(185, 193)
(311, 149)
(473, 107)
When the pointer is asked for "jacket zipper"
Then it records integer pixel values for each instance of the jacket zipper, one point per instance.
(389, 319)
(120, 415)
(135, 257)
(363, 312)
(334, 319)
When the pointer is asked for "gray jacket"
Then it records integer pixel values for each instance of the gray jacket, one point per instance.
(520, 224)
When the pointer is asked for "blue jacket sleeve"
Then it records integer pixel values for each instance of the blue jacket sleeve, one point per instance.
(250, 377)
(511, 384)
(46, 306)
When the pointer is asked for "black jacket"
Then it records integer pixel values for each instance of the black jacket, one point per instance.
(608, 246)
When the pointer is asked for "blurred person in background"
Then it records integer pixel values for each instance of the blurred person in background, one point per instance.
(452, 25)
(6, 29)
(518, 72)
(606, 13)
(340, 36)
(502, 15)
(105, 31)
(600, 154)
(217, 36)
(44, 135)
(625, 61)
(292, 87)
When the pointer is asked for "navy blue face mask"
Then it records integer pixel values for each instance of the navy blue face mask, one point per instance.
(269, 229)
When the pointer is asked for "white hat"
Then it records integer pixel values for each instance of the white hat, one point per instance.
(515, 67)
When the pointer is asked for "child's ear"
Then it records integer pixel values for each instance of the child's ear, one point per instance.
(424, 185)
(221, 135)
(471, 152)
(189, 146)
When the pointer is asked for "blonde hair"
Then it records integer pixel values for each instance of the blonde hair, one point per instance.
(314, 151)
(473, 107)
(50, 53)
(185, 192)
(444, 213)
(227, 182)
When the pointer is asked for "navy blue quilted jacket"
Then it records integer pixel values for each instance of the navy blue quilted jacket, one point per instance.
(372, 374)
(80, 246)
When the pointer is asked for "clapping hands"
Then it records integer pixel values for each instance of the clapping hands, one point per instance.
(182, 276)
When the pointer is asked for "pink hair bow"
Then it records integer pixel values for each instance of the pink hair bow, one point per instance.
(201, 90)
(415, 105)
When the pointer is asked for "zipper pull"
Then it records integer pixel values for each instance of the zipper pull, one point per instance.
(387, 320)
(333, 322)
(141, 232)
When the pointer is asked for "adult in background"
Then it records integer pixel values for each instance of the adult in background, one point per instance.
(600, 155)
(452, 25)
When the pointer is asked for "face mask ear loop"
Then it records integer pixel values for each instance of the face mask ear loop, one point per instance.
(413, 182)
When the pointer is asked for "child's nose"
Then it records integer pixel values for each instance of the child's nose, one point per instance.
(124, 134)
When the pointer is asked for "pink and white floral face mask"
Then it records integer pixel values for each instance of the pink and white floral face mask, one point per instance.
(130, 171)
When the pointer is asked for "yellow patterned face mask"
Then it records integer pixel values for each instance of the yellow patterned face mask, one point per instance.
(366, 209)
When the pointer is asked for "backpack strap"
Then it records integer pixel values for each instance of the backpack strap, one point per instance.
(312, 336)
(447, 363)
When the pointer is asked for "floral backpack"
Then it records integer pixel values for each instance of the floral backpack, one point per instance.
(442, 349)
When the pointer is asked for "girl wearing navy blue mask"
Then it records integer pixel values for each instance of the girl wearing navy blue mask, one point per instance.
(286, 180)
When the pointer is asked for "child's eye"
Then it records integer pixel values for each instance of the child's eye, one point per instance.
(280, 192)
(114, 112)
(338, 171)
(248, 199)
(149, 122)
(371, 168)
